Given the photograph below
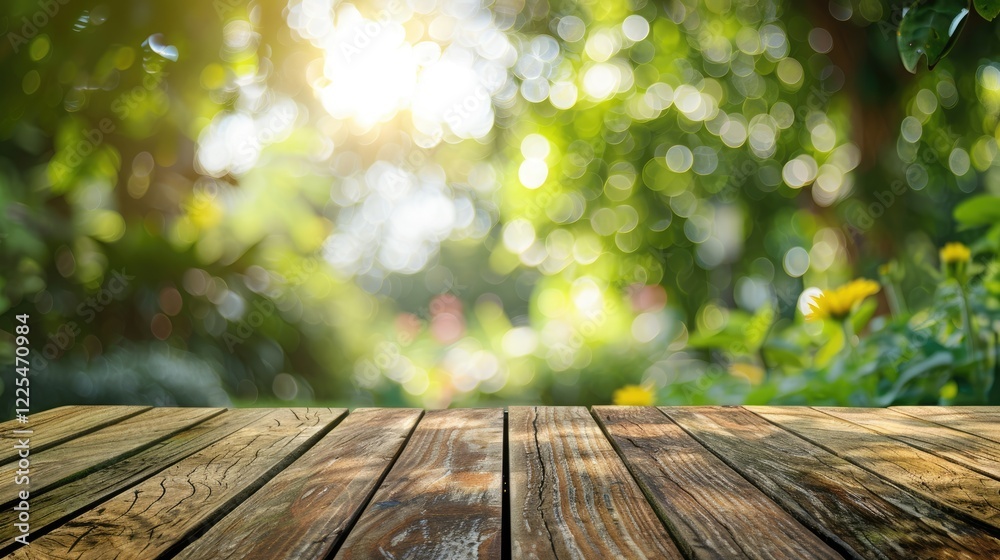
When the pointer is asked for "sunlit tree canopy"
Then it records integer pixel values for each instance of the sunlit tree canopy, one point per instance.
(449, 202)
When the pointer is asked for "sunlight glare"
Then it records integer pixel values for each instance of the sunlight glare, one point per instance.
(370, 68)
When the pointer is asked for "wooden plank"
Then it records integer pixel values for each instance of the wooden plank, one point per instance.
(443, 497)
(55, 426)
(159, 515)
(982, 421)
(857, 512)
(570, 494)
(712, 510)
(978, 454)
(38, 417)
(304, 510)
(955, 487)
(69, 500)
(77, 457)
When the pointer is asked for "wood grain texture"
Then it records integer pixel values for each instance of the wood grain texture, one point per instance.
(857, 512)
(443, 497)
(978, 454)
(982, 421)
(77, 457)
(570, 494)
(721, 482)
(69, 500)
(160, 514)
(938, 480)
(58, 425)
(304, 510)
(712, 510)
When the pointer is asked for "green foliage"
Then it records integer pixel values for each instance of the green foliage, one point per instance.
(930, 28)
(929, 356)
(650, 190)
(987, 8)
(978, 211)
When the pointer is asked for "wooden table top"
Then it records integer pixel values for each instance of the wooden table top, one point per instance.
(130, 482)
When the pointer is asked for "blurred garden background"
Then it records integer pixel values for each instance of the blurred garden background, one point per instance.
(454, 203)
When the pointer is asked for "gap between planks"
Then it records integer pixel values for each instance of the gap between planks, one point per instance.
(941, 481)
(874, 427)
(162, 527)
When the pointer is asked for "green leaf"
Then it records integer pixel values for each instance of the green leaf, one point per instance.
(829, 350)
(990, 242)
(979, 211)
(929, 28)
(783, 353)
(722, 340)
(940, 360)
(758, 327)
(988, 8)
(864, 313)
(731, 338)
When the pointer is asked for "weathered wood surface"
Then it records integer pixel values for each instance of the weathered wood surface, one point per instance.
(159, 514)
(854, 510)
(711, 509)
(960, 447)
(937, 480)
(982, 421)
(55, 426)
(303, 511)
(443, 497)
(74, 497)
(614, 482)
(571, 496)
(105, 446)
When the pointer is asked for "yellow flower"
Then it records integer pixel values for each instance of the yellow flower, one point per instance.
(839, 302)
(634, 395)
(953, 253)
(949, 391)
(891, 272)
